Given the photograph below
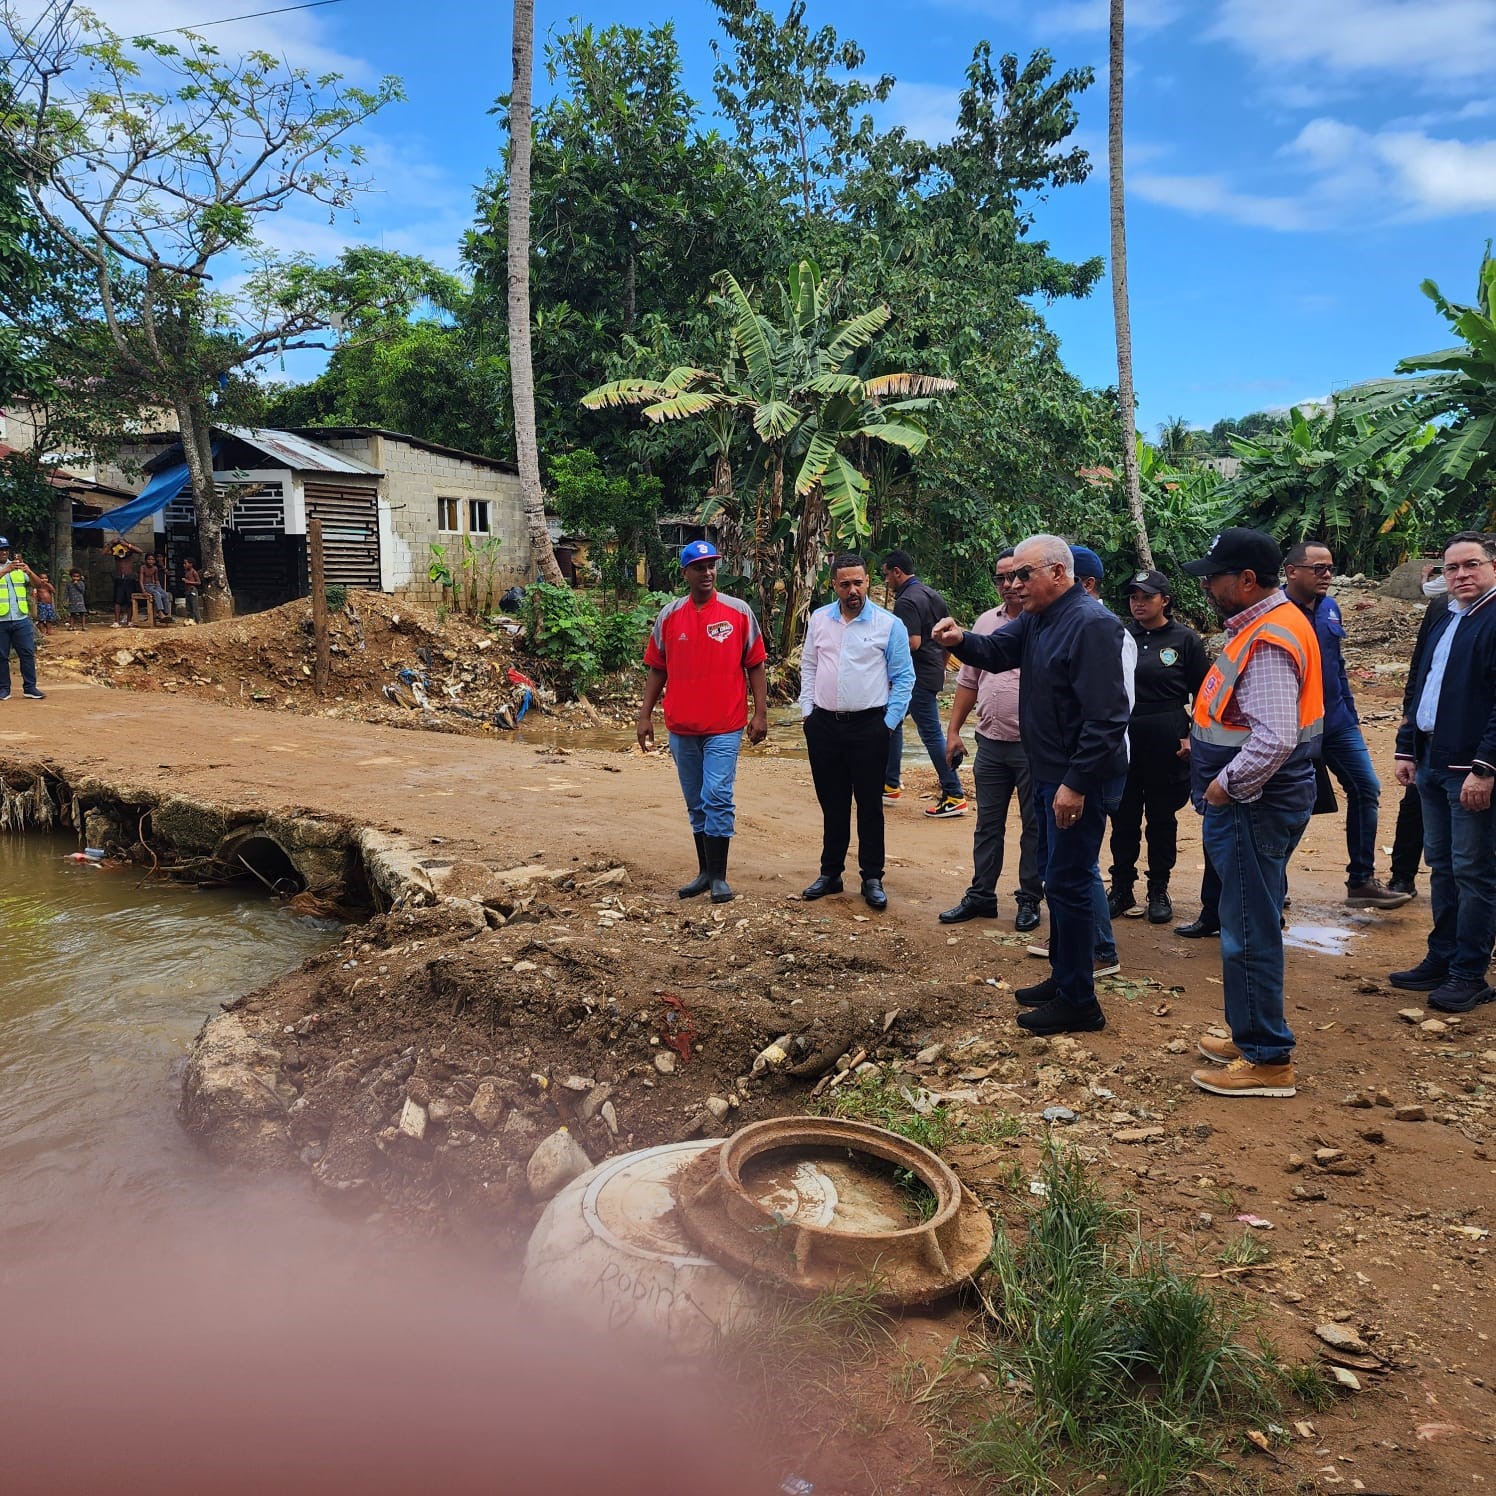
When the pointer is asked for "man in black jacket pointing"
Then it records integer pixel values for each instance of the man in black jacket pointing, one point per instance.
(1072, 716)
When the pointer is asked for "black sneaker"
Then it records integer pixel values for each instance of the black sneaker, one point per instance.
(1403, 885)
(1160, 910)
(1037, 995)
(32, 694)
(1460, 995)
(1120, 902)
(1061, 1016)
(1027, 917)
(1427, 976)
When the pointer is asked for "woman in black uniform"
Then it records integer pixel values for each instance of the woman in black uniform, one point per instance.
(1171, 665)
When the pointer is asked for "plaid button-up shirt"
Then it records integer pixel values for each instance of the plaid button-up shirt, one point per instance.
(1266, 699)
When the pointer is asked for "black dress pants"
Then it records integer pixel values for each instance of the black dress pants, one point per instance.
(1158, 786)
(847, 753)
(1407, 841)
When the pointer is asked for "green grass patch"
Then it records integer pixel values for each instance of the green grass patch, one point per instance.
(880, 1099)
(1110, 1365)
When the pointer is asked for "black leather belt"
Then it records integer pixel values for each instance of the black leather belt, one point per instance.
(852, 716)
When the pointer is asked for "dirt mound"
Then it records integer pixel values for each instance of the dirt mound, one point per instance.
(622, 1016)
(393, 662)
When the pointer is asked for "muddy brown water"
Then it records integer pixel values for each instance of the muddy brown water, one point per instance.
(104, 982)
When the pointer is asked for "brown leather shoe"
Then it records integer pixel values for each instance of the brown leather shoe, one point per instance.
(1242, 1078)
(1217, 1051)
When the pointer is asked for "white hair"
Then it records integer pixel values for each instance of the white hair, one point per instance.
(1053, 551)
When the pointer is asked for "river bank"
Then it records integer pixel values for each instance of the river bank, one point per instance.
(433, 999)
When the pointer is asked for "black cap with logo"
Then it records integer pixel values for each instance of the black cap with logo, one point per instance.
(1150, 581)
(1239, 549)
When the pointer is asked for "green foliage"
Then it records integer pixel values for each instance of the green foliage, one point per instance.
(561, 629)
(1133, 1370)
(1330, 477)
(467, 579)
(27, 505)
(1449, 480)
(622, 632)
(618, 513)
(337, 597)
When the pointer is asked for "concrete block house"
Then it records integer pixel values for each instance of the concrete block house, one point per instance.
(383, 497)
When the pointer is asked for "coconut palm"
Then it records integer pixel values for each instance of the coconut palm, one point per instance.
(801, 391)
(521, 365)
(1121, 314)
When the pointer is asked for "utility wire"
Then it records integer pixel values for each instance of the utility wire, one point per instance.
(252, 16)
(40, 51)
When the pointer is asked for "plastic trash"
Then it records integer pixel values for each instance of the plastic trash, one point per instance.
(796, 1485)
(512, 600)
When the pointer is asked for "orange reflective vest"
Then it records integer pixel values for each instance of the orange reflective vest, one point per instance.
(1215, 741)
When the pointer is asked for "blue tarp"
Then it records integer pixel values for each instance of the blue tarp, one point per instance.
(157, 494)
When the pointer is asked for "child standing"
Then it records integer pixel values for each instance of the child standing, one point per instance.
(46, 602)
(75, 600)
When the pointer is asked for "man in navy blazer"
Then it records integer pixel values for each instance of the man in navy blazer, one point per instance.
(1447, 746)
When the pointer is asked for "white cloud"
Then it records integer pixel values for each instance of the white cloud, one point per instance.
(298, 37)
(1071, 17)
(1353, 176)
(1211, 196)
(927, 111)
(1435, 41)
(1409, 173)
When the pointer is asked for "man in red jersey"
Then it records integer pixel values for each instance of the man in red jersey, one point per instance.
(701, 646)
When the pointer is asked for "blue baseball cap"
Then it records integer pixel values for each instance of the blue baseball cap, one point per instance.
(4, 544)
(1087, 562)
(698, 550)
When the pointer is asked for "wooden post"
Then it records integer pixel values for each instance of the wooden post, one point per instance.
(318, 581)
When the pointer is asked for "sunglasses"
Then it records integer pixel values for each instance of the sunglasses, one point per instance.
(1319, 568)
(1005, 578)
(1023, 573)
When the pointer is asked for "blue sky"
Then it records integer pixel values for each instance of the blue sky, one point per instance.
(1294, 170)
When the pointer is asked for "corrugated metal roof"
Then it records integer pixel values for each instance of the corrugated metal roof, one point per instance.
(299, 453)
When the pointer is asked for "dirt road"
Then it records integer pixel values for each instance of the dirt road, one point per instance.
(1385, 1231)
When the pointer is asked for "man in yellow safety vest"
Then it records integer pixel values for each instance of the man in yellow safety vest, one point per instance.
(15, 623)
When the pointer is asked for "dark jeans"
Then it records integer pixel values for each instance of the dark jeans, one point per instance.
(1157, 791)
(847, 755)
(925, 709)
(1249, 846)
(16, 634)
(1104, 948)
(1069, 863)
(1460, 846)
(1407, 840)
(1000, 771)
(1210, 893)
(1346, 758)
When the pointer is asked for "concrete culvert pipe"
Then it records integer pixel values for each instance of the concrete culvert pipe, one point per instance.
(254, 853)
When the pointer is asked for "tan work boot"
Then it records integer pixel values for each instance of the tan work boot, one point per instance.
(1242, 1078)
(1217, 1051)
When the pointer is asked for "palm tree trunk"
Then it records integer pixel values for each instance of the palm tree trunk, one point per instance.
(521, 367)
(810, 543)
(1126, 403)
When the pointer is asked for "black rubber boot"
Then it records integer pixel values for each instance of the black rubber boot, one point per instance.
(703, 879)
(716, 862)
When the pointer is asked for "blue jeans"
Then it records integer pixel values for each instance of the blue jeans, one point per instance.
(1072, 879)
(1460, 846)
(16, 634)
(925, 709)
(1347, 759)
(1104, 950)
(1249, 846)
(707, 766)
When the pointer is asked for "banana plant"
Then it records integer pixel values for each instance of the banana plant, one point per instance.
(1454, 391)
(800, 389)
